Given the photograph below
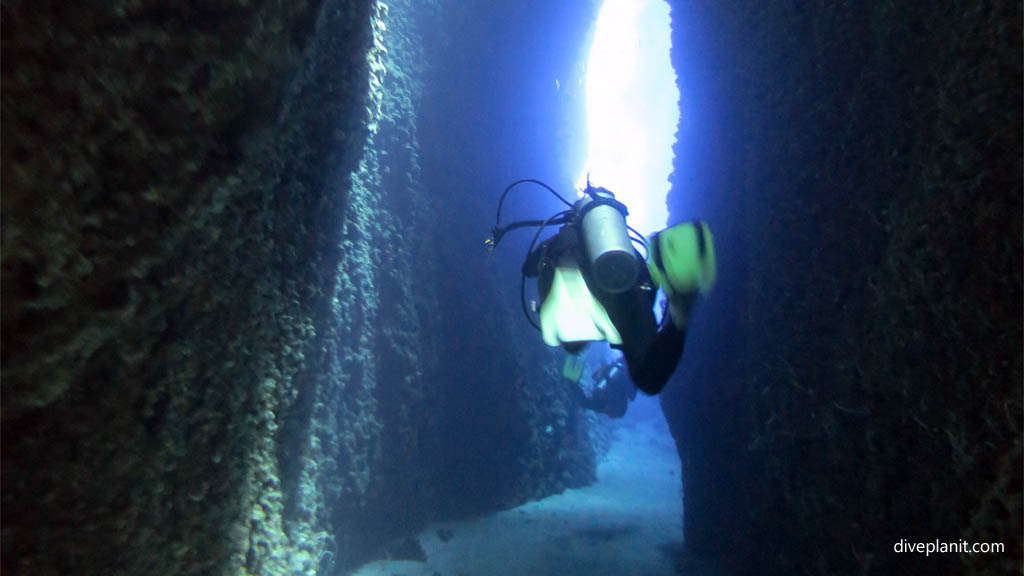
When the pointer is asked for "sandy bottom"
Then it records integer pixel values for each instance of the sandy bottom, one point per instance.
(625, 523)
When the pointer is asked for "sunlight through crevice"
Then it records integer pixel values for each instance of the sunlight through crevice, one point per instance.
(632, 108)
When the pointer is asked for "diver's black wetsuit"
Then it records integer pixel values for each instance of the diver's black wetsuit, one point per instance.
(651, 353)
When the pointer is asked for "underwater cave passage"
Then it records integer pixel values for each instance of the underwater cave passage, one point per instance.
(630, 519)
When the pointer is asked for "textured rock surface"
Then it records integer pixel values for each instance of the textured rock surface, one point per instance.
(365, 426)
(857, 380)
(221, 308)
(234, 295)
(172, 183)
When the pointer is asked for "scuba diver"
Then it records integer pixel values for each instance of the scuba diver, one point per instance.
(612, 390)
(594, 285)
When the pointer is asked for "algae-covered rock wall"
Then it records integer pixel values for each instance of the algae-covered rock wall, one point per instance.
(221, 294)
(173, 179)
(856, 378)
(357, 440)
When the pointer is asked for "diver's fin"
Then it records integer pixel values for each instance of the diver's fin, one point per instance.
(682, 263)
(571, 313)
(572, 368)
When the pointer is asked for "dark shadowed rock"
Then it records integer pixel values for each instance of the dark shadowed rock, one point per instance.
(856, 378)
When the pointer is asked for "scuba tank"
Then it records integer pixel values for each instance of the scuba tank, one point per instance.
(614, 265)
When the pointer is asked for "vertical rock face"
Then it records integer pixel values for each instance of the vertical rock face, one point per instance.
(172, 183)
(231, 340)
(358, 445)
(386, 424)
(856, 378)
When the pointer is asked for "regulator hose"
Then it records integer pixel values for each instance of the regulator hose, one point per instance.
(501, 202)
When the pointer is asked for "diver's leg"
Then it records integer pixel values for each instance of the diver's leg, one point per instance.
(682, 264)
(651, 368)
(651, 354)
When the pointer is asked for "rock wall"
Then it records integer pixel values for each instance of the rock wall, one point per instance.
(221, 291)
(855, 380)
(172, 184)
(365, 426)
